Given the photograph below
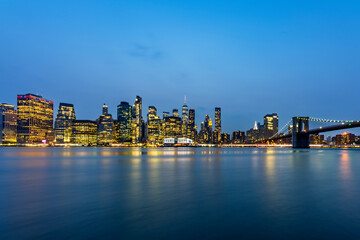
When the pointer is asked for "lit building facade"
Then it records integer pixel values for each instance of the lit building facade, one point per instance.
(137, 115)
(344, 139)
(217, 131)
(84, 132)
(206, 133)
(8, 124)
(238, 137)
(172, 127)
(64, 118)
(124, 117)
(317, 139)
(34, 119)
(105, 129)
(155, 131)
(191, 126)
(271, 125)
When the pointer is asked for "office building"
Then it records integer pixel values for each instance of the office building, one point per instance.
(64, 118)
(185, 112)
(34, 119)
(172, 127)
(217, 131)
(344, 139)
(124, 117)
(152, 113)
(238, 137)
(8, 124)
(191, 126)
(105, 129)
(154, 133)
(84, 132)
(137, 116)
(271, 125)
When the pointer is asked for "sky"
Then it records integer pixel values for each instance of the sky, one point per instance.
(294, 58)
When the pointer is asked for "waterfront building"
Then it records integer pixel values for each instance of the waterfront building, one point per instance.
(317, 139)
(238, 137)
(84, 132)
(225, 138)
(217, 131)
(191, 126)
(344, 139)
(206, 133)
(105, 128)
(253, 134)
(172, 127)
(124, 117)
(166, 114)
(176, 113)
(8, 124)
(137, 116)
(64, 118)
(155, 132)
(271, 126)
(34, 119)
(116, 131)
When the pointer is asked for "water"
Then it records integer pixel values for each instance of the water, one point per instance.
(179, 193)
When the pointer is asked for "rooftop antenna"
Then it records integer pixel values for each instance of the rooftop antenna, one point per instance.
(185, 99)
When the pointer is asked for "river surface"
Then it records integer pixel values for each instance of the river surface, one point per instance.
(179, 193)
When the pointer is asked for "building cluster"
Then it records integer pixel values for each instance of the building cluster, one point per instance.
(33, 123)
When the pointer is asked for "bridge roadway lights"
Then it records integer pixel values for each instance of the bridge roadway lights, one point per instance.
(300, 137)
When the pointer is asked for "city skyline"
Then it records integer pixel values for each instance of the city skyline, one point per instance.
(257, 58)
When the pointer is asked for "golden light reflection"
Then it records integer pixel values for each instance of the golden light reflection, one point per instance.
(345, 165)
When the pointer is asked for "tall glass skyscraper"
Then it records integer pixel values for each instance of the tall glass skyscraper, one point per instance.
(63, 123)
(105, 128)
(124, 116)
(34, 118)
(185, 112)
(8, 124)
(192, 127)
(138, 124)
(217, 132)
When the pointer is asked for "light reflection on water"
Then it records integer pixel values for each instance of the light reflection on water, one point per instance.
(178, 193)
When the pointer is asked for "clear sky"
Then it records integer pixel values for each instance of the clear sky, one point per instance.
(247, 57)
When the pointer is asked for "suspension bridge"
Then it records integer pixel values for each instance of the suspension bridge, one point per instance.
(298, 130)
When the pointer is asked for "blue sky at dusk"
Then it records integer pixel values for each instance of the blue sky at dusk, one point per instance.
(247, 57)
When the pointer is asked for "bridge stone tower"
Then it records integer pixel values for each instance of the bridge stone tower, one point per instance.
(300, 136)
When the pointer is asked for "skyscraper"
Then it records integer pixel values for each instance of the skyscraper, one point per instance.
(34, 118)
(172, 127)
(8, 124)
(105, 128)
(154, 127)
(152, 113)
(176, 113)
(124, 116)
(217, 132)
(138, 124)
(192, 127)
(64, 118)
(271, 127)
(84, 132)
(185, 112)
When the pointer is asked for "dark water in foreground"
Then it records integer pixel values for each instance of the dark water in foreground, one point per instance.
(179, 193)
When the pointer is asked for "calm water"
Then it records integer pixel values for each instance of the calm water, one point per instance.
(179, 193)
